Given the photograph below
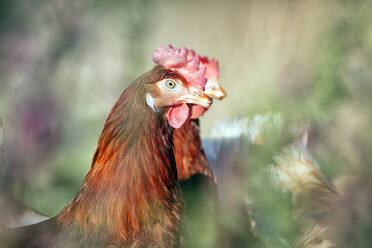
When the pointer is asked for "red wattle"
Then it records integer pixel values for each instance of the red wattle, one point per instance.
(197, 111)
(178, 114)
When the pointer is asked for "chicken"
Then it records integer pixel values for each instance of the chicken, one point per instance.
(196, 178)
(188, 150)
(189, 154)
(129, 197)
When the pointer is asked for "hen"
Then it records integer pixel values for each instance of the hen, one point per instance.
(198, 183)
(129, 198)
(189, 154)
(190, 157)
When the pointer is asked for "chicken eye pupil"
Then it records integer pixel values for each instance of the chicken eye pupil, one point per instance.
(170, 84)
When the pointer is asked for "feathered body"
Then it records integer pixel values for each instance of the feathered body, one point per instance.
(197, 181)
(189, 153)
(190, 156)
(129, 197)
(130, 191)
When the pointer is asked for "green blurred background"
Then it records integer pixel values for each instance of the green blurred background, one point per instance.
(64, 63)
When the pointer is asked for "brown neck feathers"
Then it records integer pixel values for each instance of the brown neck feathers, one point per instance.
(129, 194)
(189, 153)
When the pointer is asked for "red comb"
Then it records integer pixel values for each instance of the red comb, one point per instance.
(177, 59)
(213, 70)
(212, 66)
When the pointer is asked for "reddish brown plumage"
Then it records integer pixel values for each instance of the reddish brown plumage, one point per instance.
(130, 195)
(129, 198)
(189, 153)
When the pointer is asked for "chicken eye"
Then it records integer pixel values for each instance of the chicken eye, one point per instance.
(170, 83)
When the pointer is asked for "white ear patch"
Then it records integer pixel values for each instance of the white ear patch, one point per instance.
(150, 101)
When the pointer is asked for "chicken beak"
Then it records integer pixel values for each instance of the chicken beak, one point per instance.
(217, 92)
(201, 99)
